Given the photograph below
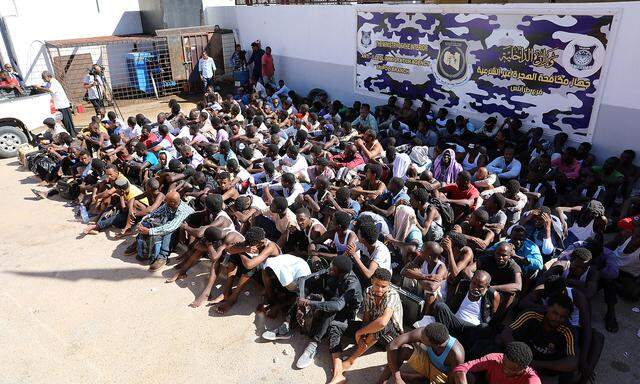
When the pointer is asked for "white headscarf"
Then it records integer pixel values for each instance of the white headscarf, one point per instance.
(404, 221)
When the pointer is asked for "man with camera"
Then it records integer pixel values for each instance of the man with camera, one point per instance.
(94, 85)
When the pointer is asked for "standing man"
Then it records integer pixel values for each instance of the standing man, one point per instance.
(95, 88)
(256, 59)
(268, 69)
(207, 69)
(60, 100)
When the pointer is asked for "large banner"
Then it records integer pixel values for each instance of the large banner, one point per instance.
(543, 69)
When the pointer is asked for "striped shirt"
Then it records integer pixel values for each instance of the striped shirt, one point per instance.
(545, 345)
(171, 218)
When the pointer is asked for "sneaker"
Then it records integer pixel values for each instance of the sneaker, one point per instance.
(307, 356)
(281, 333)
(159, 263)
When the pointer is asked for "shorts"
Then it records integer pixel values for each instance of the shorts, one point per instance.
(420, 362)
(242, 270)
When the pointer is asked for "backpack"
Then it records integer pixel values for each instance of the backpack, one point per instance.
(68, 189)
(445, 211)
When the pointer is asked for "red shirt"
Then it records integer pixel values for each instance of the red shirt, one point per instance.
(267, 65)
(491, 365)
(454, 192)
(9, 83)
(341, 162)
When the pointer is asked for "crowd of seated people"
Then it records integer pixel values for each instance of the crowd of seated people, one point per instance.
(345, 217)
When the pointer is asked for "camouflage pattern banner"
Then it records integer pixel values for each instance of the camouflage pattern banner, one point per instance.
(543, 69)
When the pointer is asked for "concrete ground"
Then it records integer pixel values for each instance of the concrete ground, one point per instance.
(75, 310)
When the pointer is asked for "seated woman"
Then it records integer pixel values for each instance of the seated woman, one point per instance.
(406, 237)
(446, 168)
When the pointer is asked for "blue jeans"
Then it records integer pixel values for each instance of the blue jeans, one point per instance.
(153, 247)
(117, 219)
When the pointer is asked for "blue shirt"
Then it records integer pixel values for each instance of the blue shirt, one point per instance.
(529, 251)
(151, 158)
(368, 123)
(390, 199)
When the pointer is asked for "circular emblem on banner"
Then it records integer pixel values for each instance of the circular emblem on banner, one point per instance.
(583, 56)
(452, 65)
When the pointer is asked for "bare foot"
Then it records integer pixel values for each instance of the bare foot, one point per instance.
(176, 276)
(340, 379)
(198, 301)
(217, 300)
(224, 306)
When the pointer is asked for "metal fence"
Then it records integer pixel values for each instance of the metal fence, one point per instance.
(135, 67)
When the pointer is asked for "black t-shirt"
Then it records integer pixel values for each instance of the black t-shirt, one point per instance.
(499, 276)
(546, 346)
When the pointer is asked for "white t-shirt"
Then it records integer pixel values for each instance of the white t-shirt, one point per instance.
(207, 67)
(288, 268)
(380, 255)
(60, 99)
(95, 92)
(131, 133)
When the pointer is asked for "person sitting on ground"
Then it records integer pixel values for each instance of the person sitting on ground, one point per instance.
(124, 192)
(507, 167)
(478, 235)
(457, 255)
(341, 300)
(281, 276)
(214, 242)
(551, 340)
(369, 254)
(430, 351)
(515, 200)
(426, 275)
(278, 222)
(136, 207)
(462, 195)
(470, 314)
(381, 323)
(157, 229)
(510, 367)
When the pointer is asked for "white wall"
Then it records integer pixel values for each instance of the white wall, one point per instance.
(31, 22)
(314, 46)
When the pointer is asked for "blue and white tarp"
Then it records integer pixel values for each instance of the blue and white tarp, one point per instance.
(543, 69)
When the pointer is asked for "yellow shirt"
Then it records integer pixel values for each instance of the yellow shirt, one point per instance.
(133, 192)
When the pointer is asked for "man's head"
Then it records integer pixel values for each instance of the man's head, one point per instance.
(495, 203)
(559, 309)
(509, 152)
(205, 55)
(464, 180)
(419, 198)
(458, 240)
(141, 149)
(49, 122)
(503, 253)
(213, 234)
(267, 50)
(176, 166)
(343, 195)
(254, 236)
(518, 236)
(395, 185)
(46, 76)
(121, 185)
(288, 180)
(340, 266)
(279, 205)
(214, 202)
(368, 234)
(341, 220)
(152, 185)
(112, 173)
(480, 282)
(479, 218)
(380, 282)
(431, 251)
(627, 156)
(303, 217)
(580, 260)
(512, 188)
(85, 157)
(173, 200)
(436, 334)
(517, 357)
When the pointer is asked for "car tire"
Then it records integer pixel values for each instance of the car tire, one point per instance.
(11, 137)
